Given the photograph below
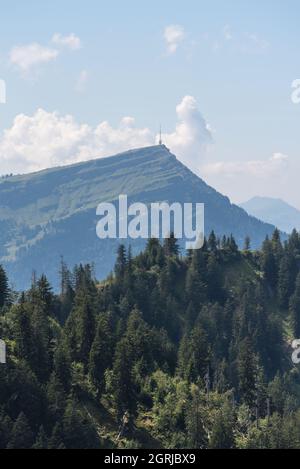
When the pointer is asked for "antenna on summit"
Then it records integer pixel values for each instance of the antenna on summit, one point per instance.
(160, 137)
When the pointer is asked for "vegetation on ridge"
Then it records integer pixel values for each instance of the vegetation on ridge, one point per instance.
(169, 351)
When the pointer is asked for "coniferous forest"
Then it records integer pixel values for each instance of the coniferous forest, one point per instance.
(170, 351)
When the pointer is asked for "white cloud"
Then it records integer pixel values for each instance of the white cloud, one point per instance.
(49, 139)
(46, 139)
(71, 41)
(174, 35)
(277, 163)
(192, 134)
(27, 56)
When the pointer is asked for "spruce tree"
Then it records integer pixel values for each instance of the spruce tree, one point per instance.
(102, 351)
(21, 435)
(171, 247)
(247, 373)
(295, 309)
(197, 437)
(121, 262)
(4, 290)
(212, 242)
(222, 435)
(124, 387)
(41, 441)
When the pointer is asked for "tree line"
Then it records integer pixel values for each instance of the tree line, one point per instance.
(170, 351)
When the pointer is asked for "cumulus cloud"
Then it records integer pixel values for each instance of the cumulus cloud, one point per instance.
(47, 139)
(192, 135)
(70, 41)
(27, 56)
(174, 35)
(258, 168)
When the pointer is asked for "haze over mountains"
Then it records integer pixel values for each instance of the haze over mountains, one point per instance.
(274, 211)
(52, 213)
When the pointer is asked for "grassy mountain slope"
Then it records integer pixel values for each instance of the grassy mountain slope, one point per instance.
(52, 213)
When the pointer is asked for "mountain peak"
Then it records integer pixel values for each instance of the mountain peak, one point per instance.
(275, 211)
(53, 212)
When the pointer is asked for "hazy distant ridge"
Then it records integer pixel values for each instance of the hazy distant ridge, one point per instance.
(274, 211)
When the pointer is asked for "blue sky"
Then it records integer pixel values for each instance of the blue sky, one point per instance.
(235, 59)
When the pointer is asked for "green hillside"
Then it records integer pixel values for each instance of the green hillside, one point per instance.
(52, 213)
(168, 352)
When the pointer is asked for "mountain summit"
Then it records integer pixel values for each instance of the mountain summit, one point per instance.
(52, 213)
(275, 211)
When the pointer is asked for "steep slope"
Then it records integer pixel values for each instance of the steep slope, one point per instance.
(52, 213)
(274, 211)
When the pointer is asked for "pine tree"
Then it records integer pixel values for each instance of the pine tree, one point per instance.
(233, 247)
(269, 264)
(286, 280)
(41, 301)
(45, 294)
(212, 242)
(56, 397)
(222, 435)
(6, 426)
(247, 373)
(41, 441)
(277, 245)
(154, 251)
(80, 326)
(57, 438)
(78, 432)
(247, 244)
(121, 262)
(214, 282)
(124, 386)
(195, 422)
(23, 334)
(62, 365)
(4, 290)
(21, 435)
(193, 355)
(295, 309)
(101, 354)
(171, 248)
(196, 281)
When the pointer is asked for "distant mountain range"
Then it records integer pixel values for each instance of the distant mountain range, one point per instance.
(274, 211)
(52, 213)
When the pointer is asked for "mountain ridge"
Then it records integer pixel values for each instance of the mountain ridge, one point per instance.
(50, 213)
(275, 211)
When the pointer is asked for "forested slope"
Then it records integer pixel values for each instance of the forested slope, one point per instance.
(169, 351)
